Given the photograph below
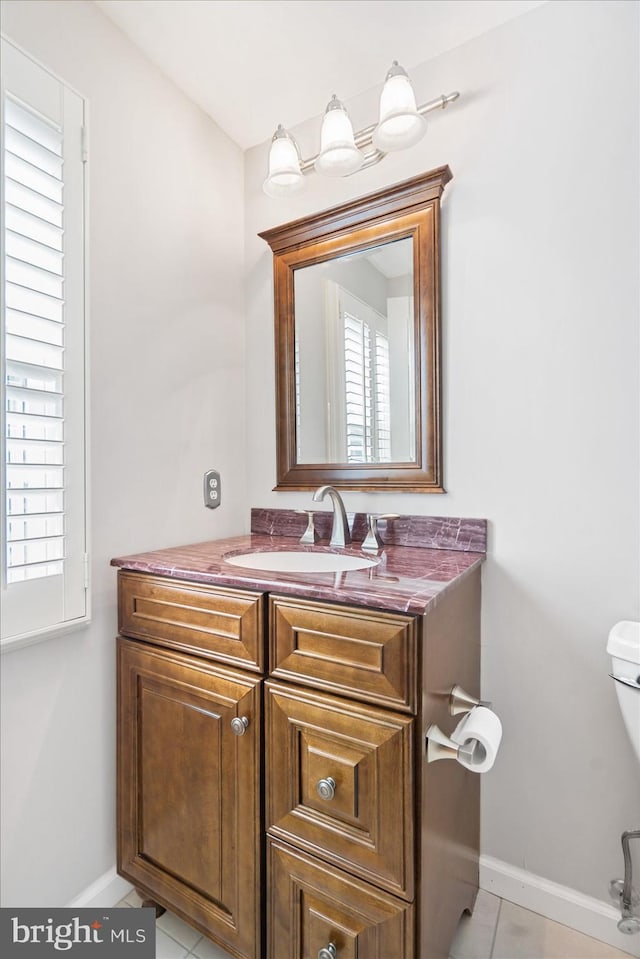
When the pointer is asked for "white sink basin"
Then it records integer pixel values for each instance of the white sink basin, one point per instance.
(301, 561)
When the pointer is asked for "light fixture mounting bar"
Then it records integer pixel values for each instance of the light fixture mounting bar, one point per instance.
(364, 137)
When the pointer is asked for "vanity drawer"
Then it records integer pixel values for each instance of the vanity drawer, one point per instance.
(360, 759)
(312, 904)
(358, 653)
(221, 624)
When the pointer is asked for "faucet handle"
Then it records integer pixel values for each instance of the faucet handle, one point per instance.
(310, 535)
(373, 541)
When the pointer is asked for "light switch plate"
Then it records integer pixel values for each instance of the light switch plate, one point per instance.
(212, 489)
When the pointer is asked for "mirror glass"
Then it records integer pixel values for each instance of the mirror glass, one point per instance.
(355, 357)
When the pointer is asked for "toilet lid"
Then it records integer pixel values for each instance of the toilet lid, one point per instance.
(624, 641)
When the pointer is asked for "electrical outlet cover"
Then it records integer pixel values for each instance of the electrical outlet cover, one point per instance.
(212, 489)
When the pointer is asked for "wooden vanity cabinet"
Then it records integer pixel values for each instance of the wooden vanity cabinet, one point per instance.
(369, 852)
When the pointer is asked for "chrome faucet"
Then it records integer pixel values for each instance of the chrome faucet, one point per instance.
(340, 534)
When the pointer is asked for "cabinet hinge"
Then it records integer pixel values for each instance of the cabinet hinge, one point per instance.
(86, 570)
(84, 145)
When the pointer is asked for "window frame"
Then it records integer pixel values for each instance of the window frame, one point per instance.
(79, 366)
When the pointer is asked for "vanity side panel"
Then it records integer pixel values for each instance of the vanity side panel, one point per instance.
(449, 795)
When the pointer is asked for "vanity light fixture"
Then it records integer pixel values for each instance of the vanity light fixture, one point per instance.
(400, 124)
(285, 175)
(342, 152)
(339, 155)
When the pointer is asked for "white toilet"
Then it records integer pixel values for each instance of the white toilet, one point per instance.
(624, 648)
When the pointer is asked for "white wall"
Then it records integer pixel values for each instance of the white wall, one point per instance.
(167, 401)
(540, 314)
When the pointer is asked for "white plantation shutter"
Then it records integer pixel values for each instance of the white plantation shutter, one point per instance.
(43, 352)
(34, 346)
(382, 400)
(358, 373)
(367, 394)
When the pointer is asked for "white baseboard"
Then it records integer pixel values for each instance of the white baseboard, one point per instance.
(590, 916)
(104, 893)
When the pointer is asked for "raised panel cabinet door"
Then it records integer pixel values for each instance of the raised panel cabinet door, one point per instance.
(340, 783)
(315, 911)
(188, 790)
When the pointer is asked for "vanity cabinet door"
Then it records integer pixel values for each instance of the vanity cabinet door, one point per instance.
(189, 802)
(313, 907)
(340, 783)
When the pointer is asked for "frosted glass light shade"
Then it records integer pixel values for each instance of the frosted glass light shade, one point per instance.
(285, 176)
(339, 155)
(400, 124)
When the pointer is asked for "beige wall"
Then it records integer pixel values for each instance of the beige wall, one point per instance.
(540, 312)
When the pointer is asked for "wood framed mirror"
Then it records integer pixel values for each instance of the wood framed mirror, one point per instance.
(357, 342)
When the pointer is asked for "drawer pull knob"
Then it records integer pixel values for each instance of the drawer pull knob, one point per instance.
(328, 952)
(326, 790)
(239, 725)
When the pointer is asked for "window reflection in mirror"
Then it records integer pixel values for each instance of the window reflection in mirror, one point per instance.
(355, 357)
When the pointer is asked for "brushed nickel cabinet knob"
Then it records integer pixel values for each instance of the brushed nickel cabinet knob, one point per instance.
(328, 952)
(239, 725)
(326, 788)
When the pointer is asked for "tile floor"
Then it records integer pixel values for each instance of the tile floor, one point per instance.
(497, 930)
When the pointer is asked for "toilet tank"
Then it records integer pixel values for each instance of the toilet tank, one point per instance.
(623, 647)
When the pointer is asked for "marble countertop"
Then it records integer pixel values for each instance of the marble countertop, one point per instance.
(407, 578)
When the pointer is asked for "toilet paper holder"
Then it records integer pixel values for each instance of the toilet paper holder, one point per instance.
(461, 702)
(441, 746)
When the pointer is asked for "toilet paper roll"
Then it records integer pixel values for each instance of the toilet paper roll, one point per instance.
(483, 725)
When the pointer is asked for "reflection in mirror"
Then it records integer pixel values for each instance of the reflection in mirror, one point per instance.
(355, 366)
